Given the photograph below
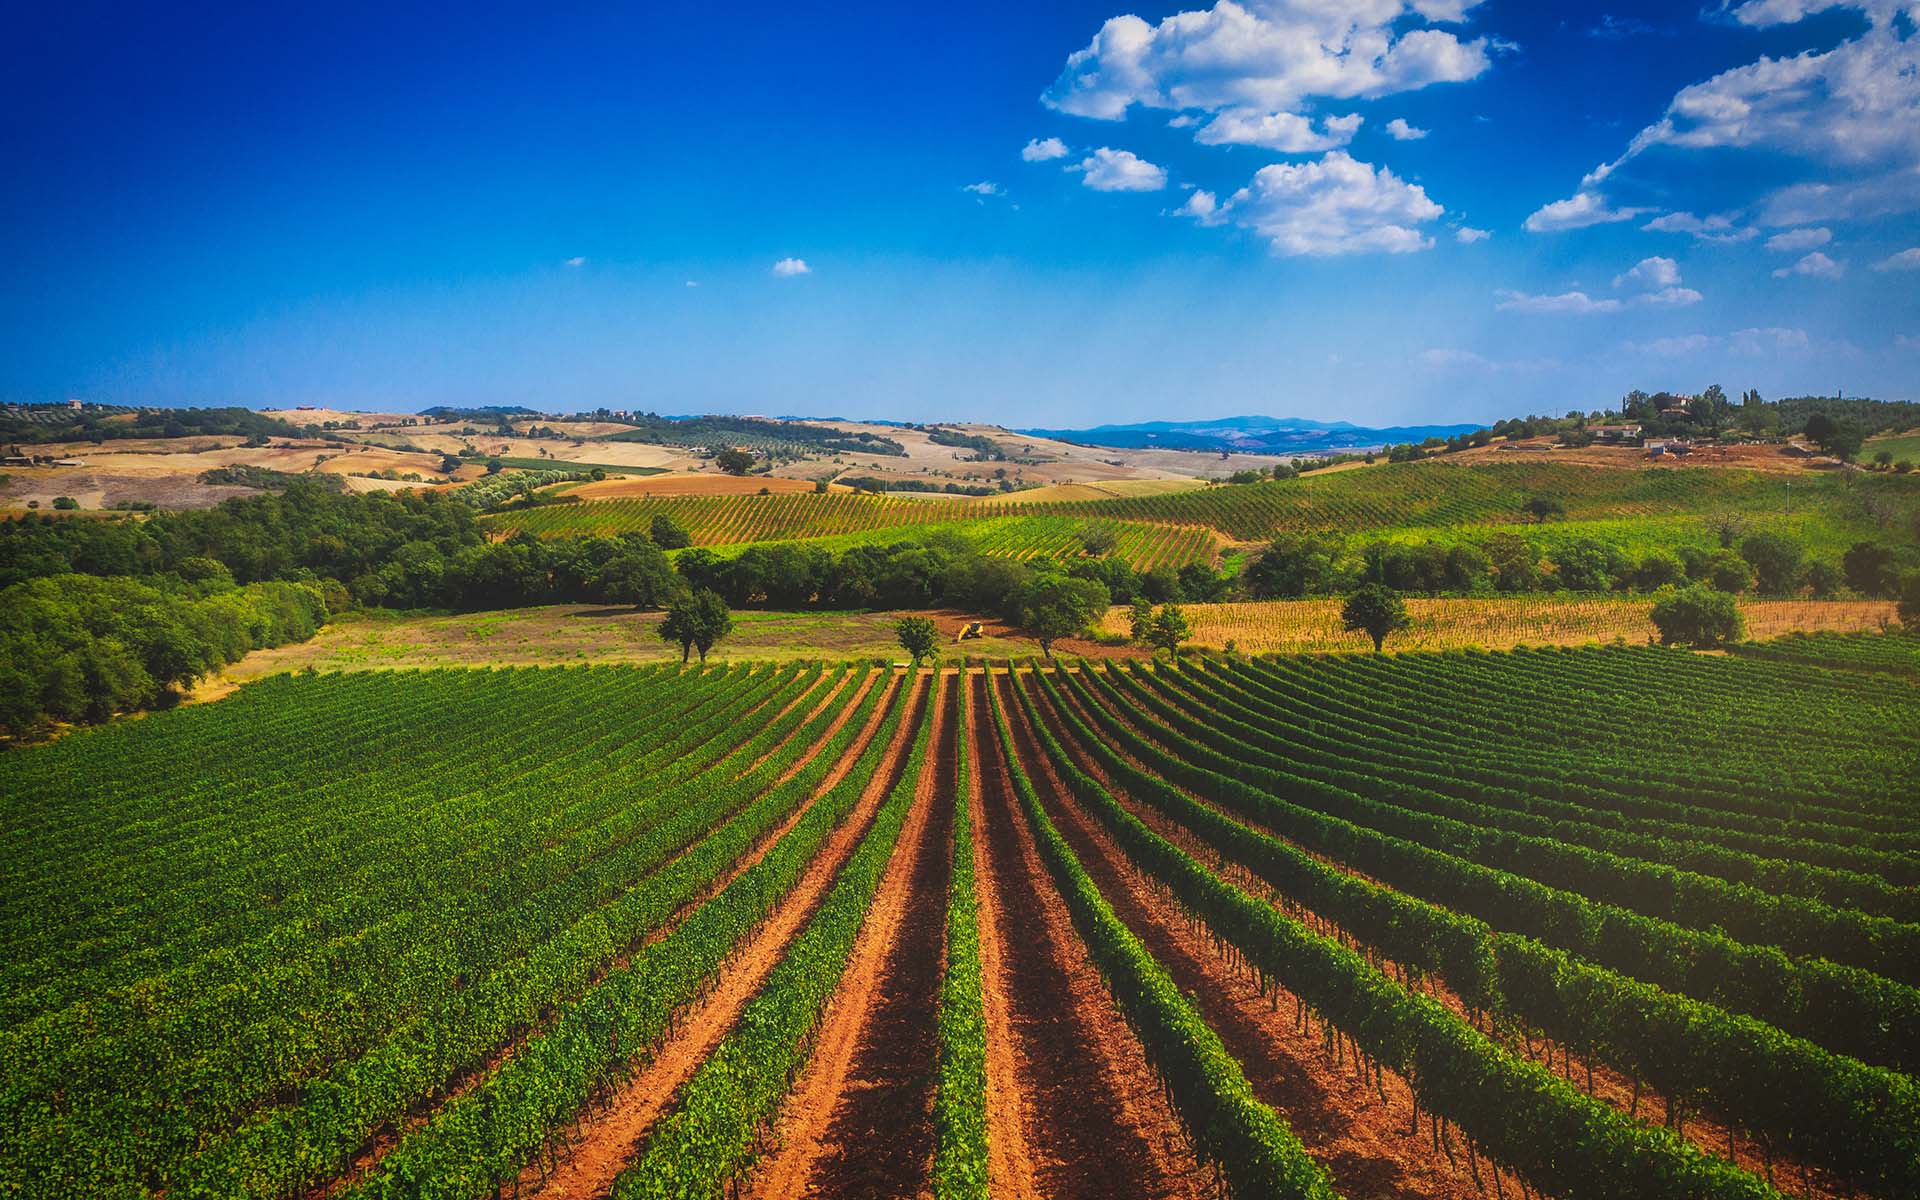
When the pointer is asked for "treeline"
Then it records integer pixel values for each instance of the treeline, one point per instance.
(756, 432)
(82, 648)
(59, 423)
(1770, 564)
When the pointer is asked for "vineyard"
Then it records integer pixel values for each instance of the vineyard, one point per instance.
(1607, 922)
(1413, 501)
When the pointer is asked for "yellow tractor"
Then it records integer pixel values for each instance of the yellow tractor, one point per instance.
(971, 630)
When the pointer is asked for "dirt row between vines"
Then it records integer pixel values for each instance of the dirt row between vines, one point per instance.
(385, 1140)
(860, 1119)
(1707, 1132)
(1074, 1109)
(609, 1136)
(1335, 1111)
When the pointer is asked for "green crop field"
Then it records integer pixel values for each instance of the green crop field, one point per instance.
(1619, 921)
(1637, 509)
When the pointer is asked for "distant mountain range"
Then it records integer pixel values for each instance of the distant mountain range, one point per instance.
(1248, 435)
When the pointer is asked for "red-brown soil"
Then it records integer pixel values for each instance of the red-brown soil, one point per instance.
(860, 1121)
(1703, 1129)
(1330, 1104)
(1084, 1112)
(608, 1137)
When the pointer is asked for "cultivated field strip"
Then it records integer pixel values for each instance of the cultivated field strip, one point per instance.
(1696, 1057)
(1238, 928)
(841, 521)
(1406, 499)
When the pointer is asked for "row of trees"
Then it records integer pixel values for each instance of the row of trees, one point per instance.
(1769, 563)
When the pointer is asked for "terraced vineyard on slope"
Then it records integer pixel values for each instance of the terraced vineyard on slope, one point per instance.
(1602, 922)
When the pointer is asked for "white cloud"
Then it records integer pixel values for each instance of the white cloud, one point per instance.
(1467, 235)
(1853, 110)
(1815, 265)
(1577, 304)
(1286, 132)
(1268, 56)
(1043, 150)
(1203, 206)
(984, 189)
(1719, 227)
(576, 261)
(1110, 170)
(693, 283)
(1796, 240)
(1400, 131)
(1577, 212)
(1674, 347)
(1906, 260)
(1673, 297)
(787, 268)
(1446, 358)
(1655, 272)
(1334, 206)
(1772, 339)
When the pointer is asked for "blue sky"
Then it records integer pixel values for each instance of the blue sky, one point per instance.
(1373, 210)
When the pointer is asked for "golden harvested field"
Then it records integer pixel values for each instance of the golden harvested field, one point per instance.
(1102, 490)
(1313, 626)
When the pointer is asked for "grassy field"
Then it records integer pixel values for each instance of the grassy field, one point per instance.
(572, 633)
(1314, 627)
(1904, 445)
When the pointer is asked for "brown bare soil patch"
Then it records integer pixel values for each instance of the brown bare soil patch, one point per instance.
(609, 1137)
(860, 1121)
(1091, 1119)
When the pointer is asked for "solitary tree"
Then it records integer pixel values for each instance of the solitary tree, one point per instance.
(1170, 629)
(917, 637)
(1140, 621)
(1837, 438)
(1909, 597)
(696, 620)
(1375, 610)
(1098, 540)
(734, 461)
(668, 534)
(1544, 508)
(1697, 616)
(1775, 561)
(1057, 606)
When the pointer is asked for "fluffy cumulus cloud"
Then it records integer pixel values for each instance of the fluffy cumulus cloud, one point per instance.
(1467, 235)
(1577, 304)
(1043, 149)
(1110, 170)
(1286, 132)
(1252, 63)
(1657, 280)
(787, 268)
(1577, 212)
(1798, 241)
(1400, 131)
(1203, 206)
(1906, 260)
(1815, 266)
(1852, 111)
(985, 190)
(1335, 206)
(1655, 272)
